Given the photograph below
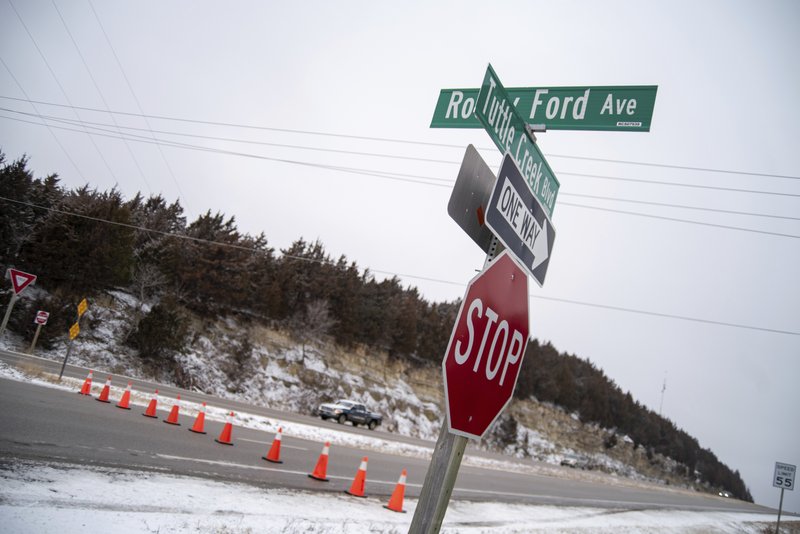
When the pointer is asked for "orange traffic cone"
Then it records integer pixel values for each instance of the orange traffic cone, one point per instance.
(225, 435)
(106, 390)
(125, 401)
(274, 454)
(396, 501)
(172, 419)
(151, 408)
(199, 422)
(357, 487)
(322, 464)
(86, 389)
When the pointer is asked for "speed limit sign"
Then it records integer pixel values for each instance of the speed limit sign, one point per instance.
(784, 476)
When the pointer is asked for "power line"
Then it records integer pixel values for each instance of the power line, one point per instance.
(420, 143)
(667, 315)
(136, 99)
(681, 206)
(694, 186)
(61, 87)
(99, 92)
(410, 179)
(673, 219)
(437, 280)
(679, 167)
(431, 160)
(44, 123)
(98, 126)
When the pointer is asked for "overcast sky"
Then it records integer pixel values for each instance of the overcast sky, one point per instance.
(712, 308)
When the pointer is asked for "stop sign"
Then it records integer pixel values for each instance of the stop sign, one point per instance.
(486, 348)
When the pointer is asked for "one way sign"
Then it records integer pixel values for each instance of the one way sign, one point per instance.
(517, 218)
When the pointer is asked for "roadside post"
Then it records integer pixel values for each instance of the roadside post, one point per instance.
(19, 281)
(40, 320)
(480, 369)
(74, 330)
(783, 479)
(478, 383)
(509, 218)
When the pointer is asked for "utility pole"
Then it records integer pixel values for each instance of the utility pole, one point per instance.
(663, 389)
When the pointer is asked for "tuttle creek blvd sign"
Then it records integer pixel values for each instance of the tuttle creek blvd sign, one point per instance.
(508, 130)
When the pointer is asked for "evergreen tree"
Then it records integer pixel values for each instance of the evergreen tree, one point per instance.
(160, 335)
(28, 201)
(85, 246)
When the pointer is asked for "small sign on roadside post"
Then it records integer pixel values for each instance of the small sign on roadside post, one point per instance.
(74, 330)
(40, 320)
(784, 476)
(783, 479)
(19, 281)
(41, 317)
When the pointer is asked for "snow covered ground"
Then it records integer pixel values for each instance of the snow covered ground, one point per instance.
(64, 498)
(44, 498)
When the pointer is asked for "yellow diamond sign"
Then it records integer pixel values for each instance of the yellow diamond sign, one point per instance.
(82, 308)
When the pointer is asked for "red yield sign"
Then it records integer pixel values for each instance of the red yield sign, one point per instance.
(20, 280)
(486, 348)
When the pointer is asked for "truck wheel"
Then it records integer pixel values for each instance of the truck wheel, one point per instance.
(342, 418)
(373, 424)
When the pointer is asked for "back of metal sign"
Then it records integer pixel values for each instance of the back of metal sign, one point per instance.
(470, 198)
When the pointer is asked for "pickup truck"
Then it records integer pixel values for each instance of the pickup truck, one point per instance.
(346, 410)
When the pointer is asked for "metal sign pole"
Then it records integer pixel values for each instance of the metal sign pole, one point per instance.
(780, 507)
(8, 313)
(439, 482)
(64, 363)
(35, 337)
(69, 349)
(443, 469)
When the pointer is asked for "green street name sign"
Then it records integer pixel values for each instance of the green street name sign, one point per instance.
(623, 108)
(495, 111)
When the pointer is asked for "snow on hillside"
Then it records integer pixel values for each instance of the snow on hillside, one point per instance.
(279, 373)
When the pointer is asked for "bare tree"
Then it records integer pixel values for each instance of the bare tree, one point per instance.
(145, 282)
(311, 324)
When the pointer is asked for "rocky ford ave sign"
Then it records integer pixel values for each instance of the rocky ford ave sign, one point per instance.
(486, 348)
(627, 108)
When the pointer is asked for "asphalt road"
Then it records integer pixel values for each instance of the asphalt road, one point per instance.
(47, 424)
